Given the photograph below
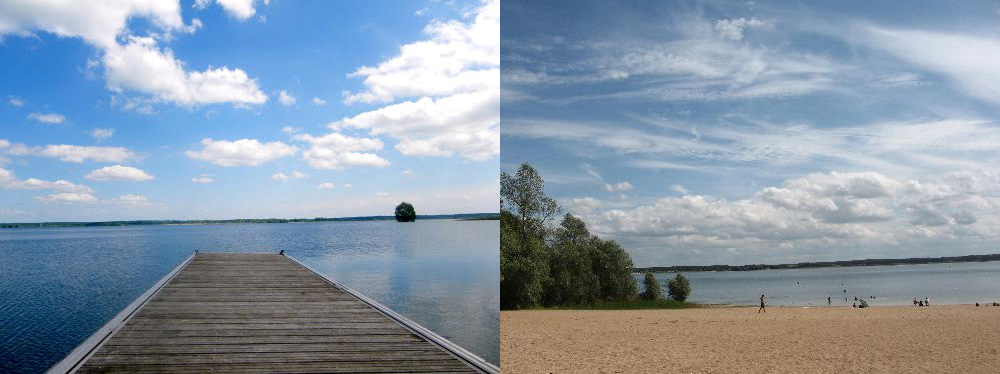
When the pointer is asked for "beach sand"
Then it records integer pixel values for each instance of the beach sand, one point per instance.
(935, 339)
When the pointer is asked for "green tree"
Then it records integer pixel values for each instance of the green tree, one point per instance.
(524, 262)
(523, 266)
(564, 265)
(523, 195)
(613, 268)
(572, 279)
(405, 212)
(652, 291)
(679, 288)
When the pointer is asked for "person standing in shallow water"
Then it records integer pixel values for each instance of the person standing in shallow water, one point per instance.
(762, 305)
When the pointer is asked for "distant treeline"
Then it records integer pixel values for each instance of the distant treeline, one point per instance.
(827, 264)
(465, 216)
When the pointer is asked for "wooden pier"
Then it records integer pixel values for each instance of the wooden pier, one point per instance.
(257, 312)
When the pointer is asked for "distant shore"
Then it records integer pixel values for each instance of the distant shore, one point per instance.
(823, 264)
(935, 339)
(462, 216)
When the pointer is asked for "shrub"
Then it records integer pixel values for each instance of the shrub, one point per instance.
(652, 286)
(679, 288)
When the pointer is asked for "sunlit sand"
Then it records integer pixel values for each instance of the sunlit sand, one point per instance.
(936, 339)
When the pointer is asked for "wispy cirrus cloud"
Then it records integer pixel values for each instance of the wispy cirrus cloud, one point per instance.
(968, 60)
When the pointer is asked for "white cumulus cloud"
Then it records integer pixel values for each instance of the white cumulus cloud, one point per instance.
(68, 197)
(130, 200)
(454, 76)
(141, 66)
(285, 98)
(10, 181)
(326, 186)
(119, 173)
(466, 124)
(137, 65)
(241, 9)
(74, 153)
(243, 152)
(102, 134)
(282, 177)
(203, 178)
(336, 151)
(54, 118)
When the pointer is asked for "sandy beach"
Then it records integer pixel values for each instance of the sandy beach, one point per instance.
(936, 339)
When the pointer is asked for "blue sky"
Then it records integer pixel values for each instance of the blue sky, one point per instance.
(141, 109)
(716, 132)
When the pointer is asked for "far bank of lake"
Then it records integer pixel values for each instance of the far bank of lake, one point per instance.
(945, 283)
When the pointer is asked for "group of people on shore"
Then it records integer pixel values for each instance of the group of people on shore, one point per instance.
(925, 302)
(989, 304)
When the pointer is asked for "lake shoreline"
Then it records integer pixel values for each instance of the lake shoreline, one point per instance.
(820, 264)
(939, 338)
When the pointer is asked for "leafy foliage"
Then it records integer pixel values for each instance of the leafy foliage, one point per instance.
(523, 266)
(652, 291)
(405, 212)
(523, 194)
(566, 265)
(679, 288)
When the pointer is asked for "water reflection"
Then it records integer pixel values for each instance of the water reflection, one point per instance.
(58, 285)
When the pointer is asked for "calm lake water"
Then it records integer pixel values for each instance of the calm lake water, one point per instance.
(960, 283)
(59, 285)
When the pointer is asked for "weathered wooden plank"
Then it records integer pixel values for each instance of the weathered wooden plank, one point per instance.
(258, 347)
(309, 367)
(288, 333)
(244, 340)
(257, 320)
(226, 312)
(211, 314)
(273, 325)
(285, 357)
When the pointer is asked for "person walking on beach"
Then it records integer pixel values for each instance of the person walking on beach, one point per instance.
(761, 304)
(829, 301)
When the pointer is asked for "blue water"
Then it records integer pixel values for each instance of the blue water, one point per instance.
(960, 283)
(59, 285)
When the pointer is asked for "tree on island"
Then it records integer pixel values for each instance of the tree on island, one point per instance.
(405, 212)
(679, 287)
(653, 290)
